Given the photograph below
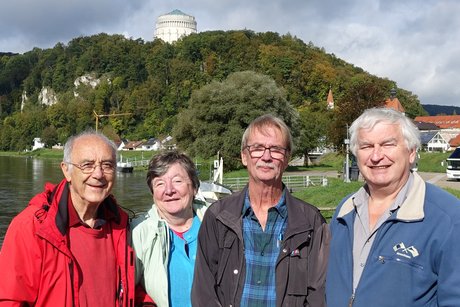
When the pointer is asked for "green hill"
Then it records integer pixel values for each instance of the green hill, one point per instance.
(148, 84)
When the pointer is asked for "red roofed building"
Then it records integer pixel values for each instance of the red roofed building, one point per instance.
(393, 102)
(455, 142)
(442, 121)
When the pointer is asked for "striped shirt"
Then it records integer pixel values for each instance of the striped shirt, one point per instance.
(261, 250)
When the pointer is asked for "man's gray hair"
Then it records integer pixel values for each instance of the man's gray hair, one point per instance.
(68, 147)
(268, 120)
(374, 116)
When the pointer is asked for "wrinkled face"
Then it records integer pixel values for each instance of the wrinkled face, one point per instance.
(92, 188)
(269, 167)
(383, 157)
(173, 192)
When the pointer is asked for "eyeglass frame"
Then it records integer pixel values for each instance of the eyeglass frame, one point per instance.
(90, 170)
(251, 153)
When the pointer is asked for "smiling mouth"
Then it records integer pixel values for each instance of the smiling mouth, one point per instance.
(380, 167)
(97, 186)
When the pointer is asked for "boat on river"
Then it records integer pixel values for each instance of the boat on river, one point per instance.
(210, 192)
(124, 166)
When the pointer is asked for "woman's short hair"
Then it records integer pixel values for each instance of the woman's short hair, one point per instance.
(374, 116)
(264, 121)
(160, 164)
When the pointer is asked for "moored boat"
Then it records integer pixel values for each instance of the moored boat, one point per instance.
(124, 167)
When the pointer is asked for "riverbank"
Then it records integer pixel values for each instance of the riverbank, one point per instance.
(430, 167)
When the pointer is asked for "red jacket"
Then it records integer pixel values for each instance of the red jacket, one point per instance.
(36, 265)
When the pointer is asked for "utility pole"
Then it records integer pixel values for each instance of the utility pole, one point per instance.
(107, 115)
(347, 159)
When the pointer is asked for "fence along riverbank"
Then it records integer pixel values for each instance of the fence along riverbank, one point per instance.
(292, 182)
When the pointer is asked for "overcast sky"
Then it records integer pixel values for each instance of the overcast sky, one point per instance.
(412, 42)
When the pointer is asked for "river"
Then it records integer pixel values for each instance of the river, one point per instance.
(23, 177)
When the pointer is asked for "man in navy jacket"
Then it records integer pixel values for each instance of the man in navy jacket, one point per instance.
(395, 241)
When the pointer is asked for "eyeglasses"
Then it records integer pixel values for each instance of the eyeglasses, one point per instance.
(89, 167)
(257, 151)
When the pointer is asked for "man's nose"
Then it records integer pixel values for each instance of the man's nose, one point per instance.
(267, 154)
(98, 172)
(377, 153)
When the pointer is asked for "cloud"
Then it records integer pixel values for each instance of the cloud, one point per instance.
(412, 42)
(25, 24)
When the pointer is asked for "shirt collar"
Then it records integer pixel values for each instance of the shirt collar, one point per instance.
(362, 196)
(103, 215)
(280, 207)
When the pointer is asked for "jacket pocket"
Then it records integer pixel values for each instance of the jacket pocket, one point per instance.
(402, 280)
(225, 248)
(400, 261)
(298, 276)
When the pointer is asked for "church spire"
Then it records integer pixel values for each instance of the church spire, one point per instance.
(393, 102)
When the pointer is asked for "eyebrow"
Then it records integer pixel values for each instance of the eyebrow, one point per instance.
(389, 140)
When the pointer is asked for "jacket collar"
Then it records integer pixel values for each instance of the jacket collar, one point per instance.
(411, 209)
(232, 215)
(199, 208)
(57, 198)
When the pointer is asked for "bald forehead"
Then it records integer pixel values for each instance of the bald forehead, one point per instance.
(92, 145)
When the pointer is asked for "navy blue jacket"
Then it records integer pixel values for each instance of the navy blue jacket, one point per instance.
(414, 260)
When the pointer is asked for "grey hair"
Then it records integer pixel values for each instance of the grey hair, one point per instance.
(160, 164)
(264, 121)
(374, 116)
(68, 147)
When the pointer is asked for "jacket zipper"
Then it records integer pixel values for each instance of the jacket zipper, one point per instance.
(352, 298)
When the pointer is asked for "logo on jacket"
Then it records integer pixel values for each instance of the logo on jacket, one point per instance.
(408, 252)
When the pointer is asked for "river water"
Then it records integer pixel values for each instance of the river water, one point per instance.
(23, 177)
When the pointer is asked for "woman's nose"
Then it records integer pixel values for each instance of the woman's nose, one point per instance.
(169, 187)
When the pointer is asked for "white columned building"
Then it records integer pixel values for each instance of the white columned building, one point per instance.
(172, 26)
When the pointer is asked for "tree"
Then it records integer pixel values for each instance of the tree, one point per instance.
(219, 112)
(49, 136)
(362, 92)
(313, 132)
(154, 81)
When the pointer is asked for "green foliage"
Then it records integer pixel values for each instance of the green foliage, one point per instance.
(313, 131)
(219, 113)
(362, 91)
(49, 136)
(155, 81)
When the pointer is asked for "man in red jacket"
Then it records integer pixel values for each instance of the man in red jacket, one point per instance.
(69, 247)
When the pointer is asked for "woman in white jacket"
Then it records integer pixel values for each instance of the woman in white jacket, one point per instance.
(165, 239)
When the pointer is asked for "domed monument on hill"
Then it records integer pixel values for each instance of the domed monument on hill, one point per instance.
(174, 25)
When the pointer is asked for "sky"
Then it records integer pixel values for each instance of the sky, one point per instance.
(412, 42)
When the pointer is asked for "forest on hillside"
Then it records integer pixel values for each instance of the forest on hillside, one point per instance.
(203, 90)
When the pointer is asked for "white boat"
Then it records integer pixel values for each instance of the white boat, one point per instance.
(209, 192)
(124, 167)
